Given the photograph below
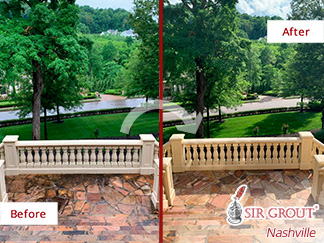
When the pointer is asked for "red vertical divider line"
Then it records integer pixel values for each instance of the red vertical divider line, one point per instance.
(161, 121)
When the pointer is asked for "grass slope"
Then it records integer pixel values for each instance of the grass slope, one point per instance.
(84, 127)
(269, 124)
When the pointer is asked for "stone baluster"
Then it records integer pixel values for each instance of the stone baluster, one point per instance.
(114, 157)
(65, 162)
(72, 156)
(93, 157)
(79, 156)
(29, 163)
(100, 157)
(37, 163)
(86, 157)
(275, 154)
(121, 162)
(208, 155)
(51, 157)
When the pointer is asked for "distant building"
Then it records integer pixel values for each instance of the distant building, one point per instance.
(110, 32)
(126, 33)
(129, 33)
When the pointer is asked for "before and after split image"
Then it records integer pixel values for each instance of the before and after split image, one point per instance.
(161, 121)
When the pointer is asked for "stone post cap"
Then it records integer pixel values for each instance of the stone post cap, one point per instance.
(177, 137)
(305, 134)
(166, 161)
(10, 138)
(147, 137)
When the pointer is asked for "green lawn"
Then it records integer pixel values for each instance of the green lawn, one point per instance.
(84, 127)
(109, 126)
(269, 124)
(5, 103)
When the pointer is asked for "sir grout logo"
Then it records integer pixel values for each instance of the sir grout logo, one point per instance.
(235, 208)
(236, 213)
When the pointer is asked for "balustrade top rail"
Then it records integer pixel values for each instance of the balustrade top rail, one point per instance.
(242, 140)
(75, 143)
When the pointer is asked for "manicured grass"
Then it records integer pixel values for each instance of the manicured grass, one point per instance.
(84, 127)
(5, 103)
(269, 124)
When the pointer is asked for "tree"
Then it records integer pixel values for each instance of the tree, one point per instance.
(195, 32)
(306, 68)
(98, 20)
(141, 75)
(39, 40)
(253, 63)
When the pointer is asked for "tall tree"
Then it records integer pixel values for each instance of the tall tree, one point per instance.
(306, 70)
(39, 38)
(142, 72)
(196, 31)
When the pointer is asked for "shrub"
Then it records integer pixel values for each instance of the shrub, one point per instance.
(113, 92)
(250, 97)
(256, 131)
(271, 93)
(320, 135)
(284, 128)
(314, 105)
(96, 133)
(90, 96)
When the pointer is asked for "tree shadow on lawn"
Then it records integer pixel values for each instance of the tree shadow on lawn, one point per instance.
(273, 123)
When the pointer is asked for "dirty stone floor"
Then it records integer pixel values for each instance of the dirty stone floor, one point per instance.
(199, 210)
(92, 208)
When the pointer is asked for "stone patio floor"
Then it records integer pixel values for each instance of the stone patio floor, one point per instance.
(199, 210)
(92, 208)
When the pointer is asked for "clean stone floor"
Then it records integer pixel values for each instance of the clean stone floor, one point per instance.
(92, 208)
(199, 210)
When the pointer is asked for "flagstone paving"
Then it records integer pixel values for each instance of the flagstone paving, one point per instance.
(92, 208)
(199, 210)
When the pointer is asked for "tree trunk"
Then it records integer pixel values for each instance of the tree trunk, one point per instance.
(38, 86)
(302, 103)
(146, 99)
(219, 114)
(208, 127)
(201, 90)
(45, 124)
(58, 114)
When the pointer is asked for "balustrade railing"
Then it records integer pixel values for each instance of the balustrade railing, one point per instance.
(167, 151)
(240, 153)
(79, 156)
(117, 154)
(318, 147)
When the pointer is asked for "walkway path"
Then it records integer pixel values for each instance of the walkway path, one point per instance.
(92, 208)
(112, 101)
(107, 102)
(199, 211)
(265, 102)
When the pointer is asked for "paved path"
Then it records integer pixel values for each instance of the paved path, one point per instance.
(112, 101)
(92, 208)
(265, 102)
(107, 102)
(199, 211)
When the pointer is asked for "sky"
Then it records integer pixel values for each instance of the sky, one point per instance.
(126, 4)
(252, 7)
